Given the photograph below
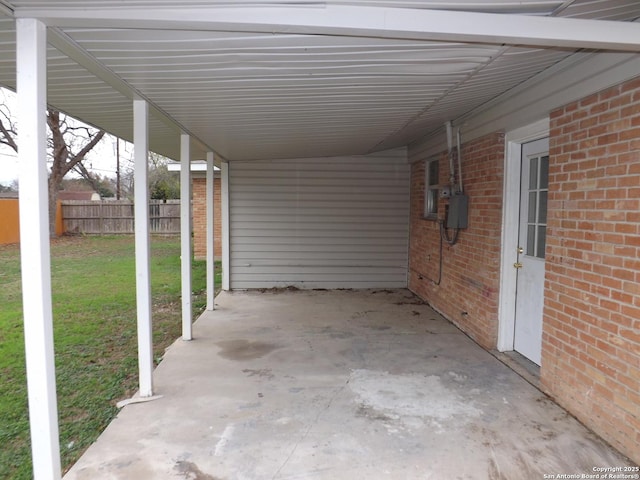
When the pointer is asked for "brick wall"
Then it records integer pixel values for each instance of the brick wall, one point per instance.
(468, 291)
(199, 218)
(591, 336)
(591, 327)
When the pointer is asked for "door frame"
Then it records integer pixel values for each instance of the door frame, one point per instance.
(510, 217)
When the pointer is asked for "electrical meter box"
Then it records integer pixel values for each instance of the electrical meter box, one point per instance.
(458, 211)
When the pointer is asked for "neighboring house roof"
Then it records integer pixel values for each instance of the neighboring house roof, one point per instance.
(196, 166)
(264, 80)
(78, 195)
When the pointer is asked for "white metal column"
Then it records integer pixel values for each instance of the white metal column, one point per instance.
(185, 234)
(211, 266)
(35, 254)
(226, 274)
(143, 250)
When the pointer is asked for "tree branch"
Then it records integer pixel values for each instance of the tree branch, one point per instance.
(7, 136)
(79, 157)
(86, 174)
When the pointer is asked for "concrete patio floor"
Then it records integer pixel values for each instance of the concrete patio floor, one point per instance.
(338, 385)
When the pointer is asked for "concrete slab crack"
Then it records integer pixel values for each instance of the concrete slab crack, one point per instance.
(337, 392)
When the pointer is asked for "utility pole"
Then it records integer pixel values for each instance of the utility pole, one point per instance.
(117, 168)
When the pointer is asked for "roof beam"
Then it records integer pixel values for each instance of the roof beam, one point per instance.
(377, 22)
(6, 8)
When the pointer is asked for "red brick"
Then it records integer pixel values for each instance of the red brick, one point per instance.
(632, 133)
(588, 122)
(621, 101)
(597, 108)
(591, 99)
(609, 93)
(630, 85)
(631, 110)
(618, 148)
(608, 139)
(611, 226)
(609, 118)
(199, 218)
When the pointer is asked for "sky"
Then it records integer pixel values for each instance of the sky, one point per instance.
(8, 166)
(102, 159)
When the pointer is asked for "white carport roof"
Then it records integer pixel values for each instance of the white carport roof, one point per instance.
(267, 79)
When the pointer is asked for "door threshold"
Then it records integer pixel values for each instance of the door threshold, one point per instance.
(521, 365)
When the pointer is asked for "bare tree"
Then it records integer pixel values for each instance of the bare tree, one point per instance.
(8, 131)
(69, 143)
(90, 178)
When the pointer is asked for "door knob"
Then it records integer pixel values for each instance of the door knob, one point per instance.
(520, 250)
(517, 265)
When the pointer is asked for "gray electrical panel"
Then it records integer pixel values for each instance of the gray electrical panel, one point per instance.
(458, 211)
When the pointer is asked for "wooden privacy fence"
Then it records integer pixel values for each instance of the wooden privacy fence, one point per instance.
(10, 220)
(110, 217)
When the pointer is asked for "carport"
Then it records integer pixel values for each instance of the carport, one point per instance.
(349, 384)
(333, 95)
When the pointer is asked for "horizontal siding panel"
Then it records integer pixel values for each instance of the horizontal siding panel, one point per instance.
(319, 267)
(325, 285)
(329, 198)
(257, 251)
(337, 275)
(320, 223)
(335, 173)
(329, 172)
(257, 258)
(283, 214)
(319, 203)
(301, 236)
(299, 276)
(310, 188)
(369, 225)
(317, 243)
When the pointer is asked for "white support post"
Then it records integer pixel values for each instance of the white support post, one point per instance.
(185, 234)
(226, 274)
(211, 266)
(143, 249)
(35, 253)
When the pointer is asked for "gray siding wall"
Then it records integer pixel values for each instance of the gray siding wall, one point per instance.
(340, 222)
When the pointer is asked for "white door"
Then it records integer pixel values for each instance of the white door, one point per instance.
(532, 235)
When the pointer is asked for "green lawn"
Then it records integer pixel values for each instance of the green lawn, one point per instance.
(93, 283)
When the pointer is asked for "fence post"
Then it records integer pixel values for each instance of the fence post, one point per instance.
(101, 218)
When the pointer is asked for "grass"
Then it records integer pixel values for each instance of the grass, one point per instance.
(94, 309)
